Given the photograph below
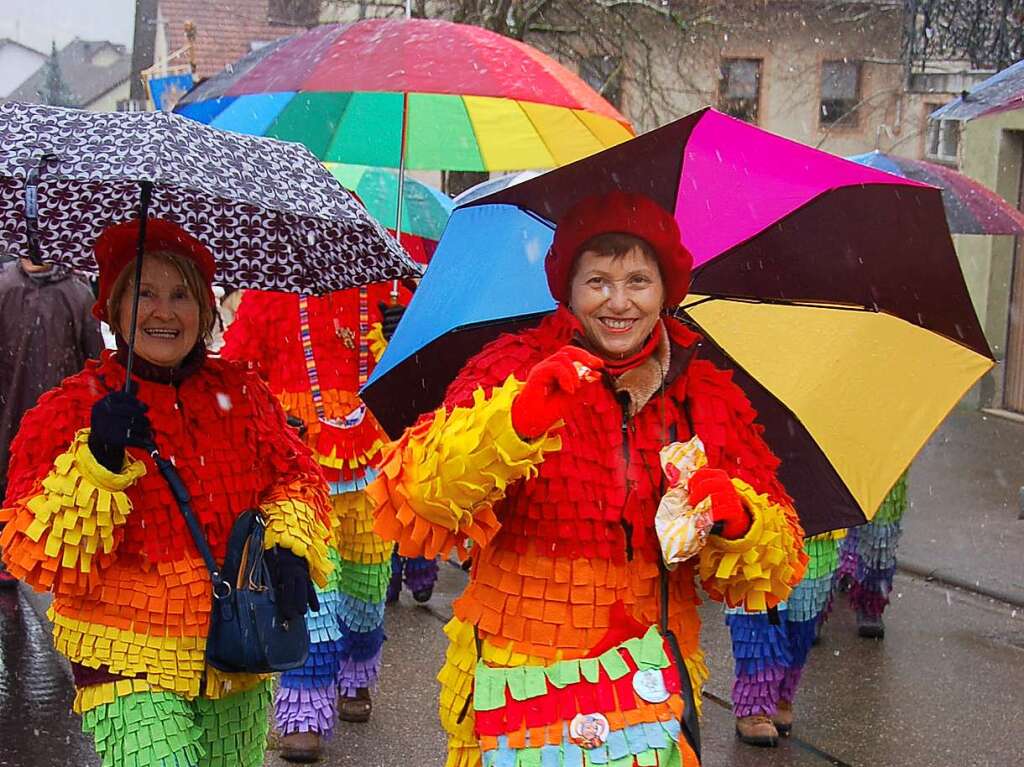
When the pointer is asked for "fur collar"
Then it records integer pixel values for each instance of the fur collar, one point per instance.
(641, 383)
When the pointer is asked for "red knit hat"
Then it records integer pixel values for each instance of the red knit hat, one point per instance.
(625, 213)
(116, 247)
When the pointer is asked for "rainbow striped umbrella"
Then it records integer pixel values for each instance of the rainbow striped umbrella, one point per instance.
(412, 93)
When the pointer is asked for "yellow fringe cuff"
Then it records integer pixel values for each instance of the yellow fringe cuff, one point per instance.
(759, 570)
(294, 525)
(446, 470)
(377, 342)
(80, 506)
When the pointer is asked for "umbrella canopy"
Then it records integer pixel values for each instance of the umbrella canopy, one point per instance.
(971, 207)
(270, 213)
(465, 98)
(492, 185)
(1002, 92)
(827, 287)
(425, 210)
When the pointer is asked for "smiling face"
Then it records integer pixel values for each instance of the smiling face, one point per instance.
(168, 324)
(617, 299)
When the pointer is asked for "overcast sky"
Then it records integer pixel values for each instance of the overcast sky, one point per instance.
(36, 23)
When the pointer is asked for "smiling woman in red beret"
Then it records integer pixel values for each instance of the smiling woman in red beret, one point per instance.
(546, 454)
(90, 519)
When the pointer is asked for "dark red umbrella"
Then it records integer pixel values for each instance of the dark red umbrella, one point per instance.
(971, 207)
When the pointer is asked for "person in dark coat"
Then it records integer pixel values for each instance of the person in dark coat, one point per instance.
(46, 334)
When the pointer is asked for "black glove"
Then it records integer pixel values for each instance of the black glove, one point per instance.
(118, 420)
(293, 590)
(390, 316)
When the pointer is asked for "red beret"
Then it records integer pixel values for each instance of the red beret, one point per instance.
(625, 213)
(116, 247)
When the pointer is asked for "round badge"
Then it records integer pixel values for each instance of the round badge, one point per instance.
(588, 730)
(650, 685)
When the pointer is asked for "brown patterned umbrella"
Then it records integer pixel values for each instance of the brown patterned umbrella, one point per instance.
(271, 214)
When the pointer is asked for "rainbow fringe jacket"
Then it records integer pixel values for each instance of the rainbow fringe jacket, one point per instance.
(131, 593)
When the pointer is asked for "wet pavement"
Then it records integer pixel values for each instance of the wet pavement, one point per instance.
(36, 724)
(965, 502)
(943, 688)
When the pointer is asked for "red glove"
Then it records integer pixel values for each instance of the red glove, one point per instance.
(726, 506)
(549, 389)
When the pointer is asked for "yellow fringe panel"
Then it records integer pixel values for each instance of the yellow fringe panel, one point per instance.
(438, 482)
(218, 685)
(759, 570)
(169, 662)
(352, 522)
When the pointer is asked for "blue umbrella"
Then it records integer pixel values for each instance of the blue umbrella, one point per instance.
(442, 326)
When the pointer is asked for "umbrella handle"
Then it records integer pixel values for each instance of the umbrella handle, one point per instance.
(32, 208)
(146, 194)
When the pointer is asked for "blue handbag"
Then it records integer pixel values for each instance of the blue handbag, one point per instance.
(247, 635)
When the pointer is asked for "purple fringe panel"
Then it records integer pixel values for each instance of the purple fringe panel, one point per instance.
(757, 694)
(420, 573)
(306, 710)
(354, 674)
(790, 683)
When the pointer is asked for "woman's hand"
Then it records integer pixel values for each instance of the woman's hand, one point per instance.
(726, 506)
(550, 387)
(118, 421)
(293, 590)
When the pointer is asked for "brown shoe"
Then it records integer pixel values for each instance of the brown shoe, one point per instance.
(783, 718)
(757, 730)
(300, 747)
(357, 709)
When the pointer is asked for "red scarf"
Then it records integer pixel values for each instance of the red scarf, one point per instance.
(615, 368)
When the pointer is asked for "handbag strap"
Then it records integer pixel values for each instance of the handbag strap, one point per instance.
(221, 587)
(690, 723)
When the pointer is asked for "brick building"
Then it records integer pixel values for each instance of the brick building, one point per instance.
(224, 31)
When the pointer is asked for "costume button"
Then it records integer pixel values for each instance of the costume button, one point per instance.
(589, 730)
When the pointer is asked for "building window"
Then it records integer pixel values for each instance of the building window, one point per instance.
(604, 75)
(840, 92)
(739, 88)
(294, 13)
(943, 140)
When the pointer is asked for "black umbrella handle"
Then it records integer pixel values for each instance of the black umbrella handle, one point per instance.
(146, 189)
(32, 208)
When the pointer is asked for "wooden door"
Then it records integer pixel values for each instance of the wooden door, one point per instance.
(1013, 391)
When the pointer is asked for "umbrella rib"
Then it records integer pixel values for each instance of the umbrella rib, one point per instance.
(551, 154)
(681, 312)
(476, 134)
(575, 113)
(783, 302)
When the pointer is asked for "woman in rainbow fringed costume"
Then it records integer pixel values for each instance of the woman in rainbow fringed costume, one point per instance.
(90, 519)
(315, 352)
(545, 454)
(770, 650)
